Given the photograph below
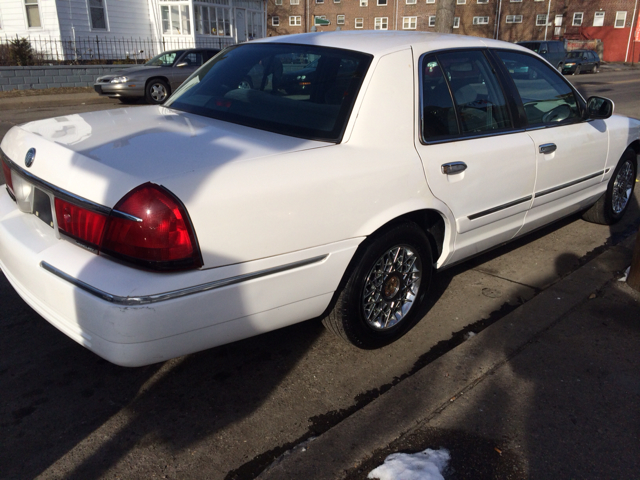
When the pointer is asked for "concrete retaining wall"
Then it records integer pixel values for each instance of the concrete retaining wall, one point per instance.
(27, 78)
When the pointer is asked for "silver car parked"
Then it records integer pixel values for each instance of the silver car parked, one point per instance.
(156, 79)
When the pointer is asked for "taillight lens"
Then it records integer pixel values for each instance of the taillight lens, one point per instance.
(162, 239)
(7, 175)
(80, 223)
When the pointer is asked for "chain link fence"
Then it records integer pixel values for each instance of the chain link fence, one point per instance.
(25, 51)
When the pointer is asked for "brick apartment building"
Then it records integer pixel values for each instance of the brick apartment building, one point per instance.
(579, 22)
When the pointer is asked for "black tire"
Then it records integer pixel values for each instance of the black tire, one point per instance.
(127, 100)
(611, 206)
(594, 69)
(156, 91)
(363, 327)
(577, 70)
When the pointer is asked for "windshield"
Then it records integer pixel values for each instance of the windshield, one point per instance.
(296, 90)
(165, 59)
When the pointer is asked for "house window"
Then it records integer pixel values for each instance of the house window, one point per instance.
(319, 1)
(432, 20)
(577, 19)
(364, 3)
(381, 23)
(33, 13)
(621, 19)
(461, 2)
(340, 19)
(431, 1)
(278, 2)
(409, 23)
(514, 18)
(176, 20)
(98, 15)
(411, 2)
(481, 20)
(514, 1)
(336, 1)
(318, 19)
(294, 2)
(275, 21)
(456, 22)
(382, 3)
(483, 1)
(295, 21)
(209, 21)
(541, 20)
(598, 19)
(359, 23)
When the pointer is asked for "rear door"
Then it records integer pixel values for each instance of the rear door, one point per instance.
(570, 153)
(476, 161)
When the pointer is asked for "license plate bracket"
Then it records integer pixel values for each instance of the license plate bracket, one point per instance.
(42, 207)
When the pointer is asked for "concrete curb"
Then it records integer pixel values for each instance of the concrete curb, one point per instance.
(414, 401)
(54, 100)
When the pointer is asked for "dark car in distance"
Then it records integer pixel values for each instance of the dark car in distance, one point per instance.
(579, 61)
(156, 79)
(553, 51)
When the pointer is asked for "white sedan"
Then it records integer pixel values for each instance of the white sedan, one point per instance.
(317, 175)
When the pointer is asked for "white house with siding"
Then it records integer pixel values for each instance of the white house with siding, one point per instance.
(99, 26)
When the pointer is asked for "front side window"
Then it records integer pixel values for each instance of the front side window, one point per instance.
(166, 59)
(541, 20)
(621, 19)
(577, 19)
(381, 23)
(192, 59)
(598, 19)
(33, 13)
(295, 21)
(248, 85)
(409, 23)
(547, 98)
(98, 15)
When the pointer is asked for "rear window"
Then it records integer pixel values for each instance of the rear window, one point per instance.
(296, 90)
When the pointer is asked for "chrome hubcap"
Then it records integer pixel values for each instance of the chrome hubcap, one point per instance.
(391, 287)
(158, 92)
(622, 188)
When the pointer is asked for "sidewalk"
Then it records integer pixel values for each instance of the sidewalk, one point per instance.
(54, 100)
(550, 391)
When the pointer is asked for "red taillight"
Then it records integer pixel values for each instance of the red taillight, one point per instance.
(163, 239)
(7, 175)
(80, 223)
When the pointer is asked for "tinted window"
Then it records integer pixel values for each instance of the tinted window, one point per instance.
(438, 113)
(480, 104)
(547, 99)
(535, 46)
(295, 90)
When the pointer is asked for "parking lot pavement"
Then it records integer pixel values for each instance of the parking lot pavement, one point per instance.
(552, 390)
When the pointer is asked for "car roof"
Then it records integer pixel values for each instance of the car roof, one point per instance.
(382, 42)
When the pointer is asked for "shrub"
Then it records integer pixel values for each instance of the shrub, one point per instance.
(21, 52)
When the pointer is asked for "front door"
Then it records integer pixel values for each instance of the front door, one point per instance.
(475, 162)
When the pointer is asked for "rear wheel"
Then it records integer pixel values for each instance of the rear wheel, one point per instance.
(610, 208)
(385, 287)
(156, 91)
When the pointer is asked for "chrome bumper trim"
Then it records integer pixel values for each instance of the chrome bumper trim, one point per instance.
(183, 292)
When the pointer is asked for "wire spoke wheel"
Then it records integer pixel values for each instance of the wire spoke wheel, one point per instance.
(391, 287)
(622, 188)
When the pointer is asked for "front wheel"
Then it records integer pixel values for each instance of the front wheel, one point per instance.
(386, 284)
(610, 208)
(156, 91)
(577, 70)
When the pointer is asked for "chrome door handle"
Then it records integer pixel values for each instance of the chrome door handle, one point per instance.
(548, 148)
(453, 168)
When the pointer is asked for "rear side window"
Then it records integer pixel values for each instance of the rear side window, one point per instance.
(547, 99)
(461, 96)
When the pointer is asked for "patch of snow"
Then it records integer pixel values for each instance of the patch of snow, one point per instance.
(426, 465)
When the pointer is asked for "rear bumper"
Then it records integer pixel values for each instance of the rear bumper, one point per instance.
(135, 333)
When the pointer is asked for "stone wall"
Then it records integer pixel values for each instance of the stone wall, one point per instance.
(27, 78)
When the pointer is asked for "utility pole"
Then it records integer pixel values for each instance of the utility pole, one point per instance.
(444, 16)
(633, 280)
(546, 25)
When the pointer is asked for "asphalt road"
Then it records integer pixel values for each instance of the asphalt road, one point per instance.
(227, 412)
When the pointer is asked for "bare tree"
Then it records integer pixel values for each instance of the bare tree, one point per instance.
(444, 16)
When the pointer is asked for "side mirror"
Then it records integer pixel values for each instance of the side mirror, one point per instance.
(599, 107)
(182, 64)
(543, 52)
